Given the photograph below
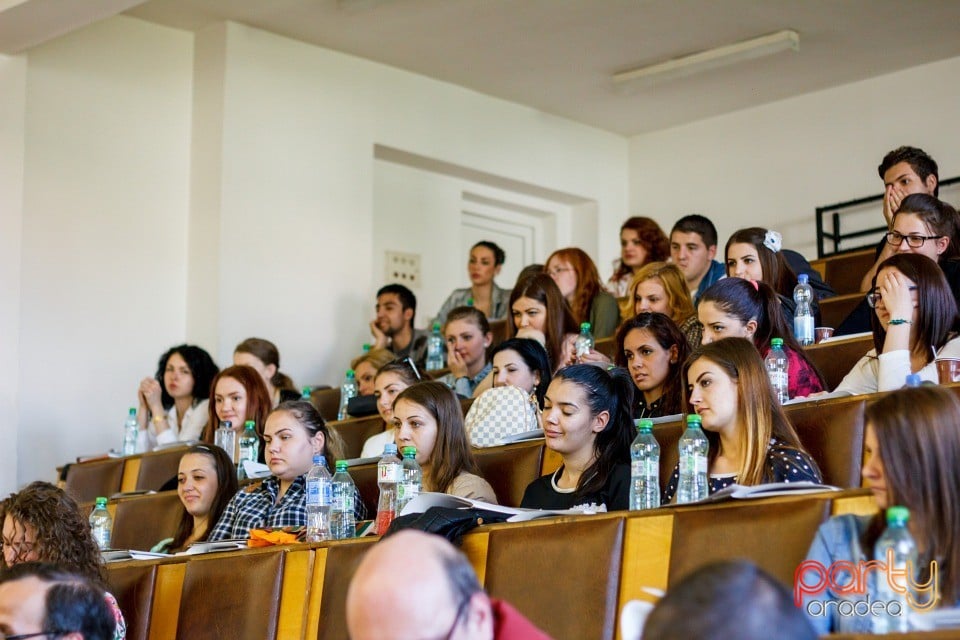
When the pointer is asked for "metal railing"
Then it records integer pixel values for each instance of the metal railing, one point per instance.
(834, 213)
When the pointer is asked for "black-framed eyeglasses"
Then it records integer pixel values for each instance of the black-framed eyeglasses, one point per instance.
(913, 241)
(24, 636)
(874, 296)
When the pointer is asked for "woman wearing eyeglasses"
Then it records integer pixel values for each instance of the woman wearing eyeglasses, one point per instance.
(914, 312)
(579, 282)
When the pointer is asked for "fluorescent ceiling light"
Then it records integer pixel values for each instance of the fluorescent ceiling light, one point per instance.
(708, 60)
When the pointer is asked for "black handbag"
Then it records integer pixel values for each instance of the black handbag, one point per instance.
(451, 523)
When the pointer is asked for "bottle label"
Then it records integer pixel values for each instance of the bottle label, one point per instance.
(407, 491)
(701, 462)
(343, 501)
(388, 473)
(325, 491)
(778, 379)
(803, 329)
(313, 492)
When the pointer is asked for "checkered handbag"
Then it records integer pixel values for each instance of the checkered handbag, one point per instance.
(498, 413)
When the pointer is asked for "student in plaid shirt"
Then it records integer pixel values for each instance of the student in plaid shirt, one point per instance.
(294, 432)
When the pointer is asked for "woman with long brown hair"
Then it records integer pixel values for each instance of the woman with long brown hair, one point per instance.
(536, 304)
(579, 283)
(428, 416)
(238, 395)
(912, 453)
(642, 241)
(751, 440)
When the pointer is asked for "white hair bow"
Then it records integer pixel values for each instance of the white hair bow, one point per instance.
(773, 241)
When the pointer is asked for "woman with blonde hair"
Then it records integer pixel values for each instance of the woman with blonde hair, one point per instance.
(659, 287)
(751, 440)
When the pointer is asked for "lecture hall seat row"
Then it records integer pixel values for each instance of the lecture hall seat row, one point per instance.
(570, 575)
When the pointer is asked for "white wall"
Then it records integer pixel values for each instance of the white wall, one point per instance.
(104, 231)
(13, 89)
(774, 164)
(299, 128)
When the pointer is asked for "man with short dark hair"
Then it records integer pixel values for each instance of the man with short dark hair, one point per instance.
(904, 171)
(39, 599)
(693, 245)
(731, 599)
(393, 327)
(417, 585)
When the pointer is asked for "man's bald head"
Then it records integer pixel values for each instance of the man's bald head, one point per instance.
(415, 584)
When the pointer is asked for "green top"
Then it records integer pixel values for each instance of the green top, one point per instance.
(898, 516)
(436, 327)
(584, 326)
(776, 343)
(409, 452)
(249, 425)
(646, 425)
(342, 465)
(101, 502)
(133, 412)
(350, 373)
(694, 420)
(305, 394)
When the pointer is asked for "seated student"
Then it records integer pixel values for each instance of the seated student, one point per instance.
(522, 363)
(693, 244)
(264, 356)
(924, 226)
(727, 599)
(912, 453)
(206, 482)
(238, 395)
(393, 327)
(536, 303)
(42, 523)
(756, 253)
(579, 283)
(586, 419)
(294, 433)
(659, 288)
(173, 404)
(365, 368)
(428, 416)
(39, 599)
(751, 440)
(652, 350)
(914, 315)
(750, 309)
(392, 378)
(468, 335)
(642, 241)
(486, 260)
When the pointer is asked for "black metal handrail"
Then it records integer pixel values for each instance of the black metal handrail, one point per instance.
(835, 211)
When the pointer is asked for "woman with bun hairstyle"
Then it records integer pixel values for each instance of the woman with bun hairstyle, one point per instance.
(735, 307)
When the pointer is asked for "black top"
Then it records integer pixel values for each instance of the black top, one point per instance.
(543, 493)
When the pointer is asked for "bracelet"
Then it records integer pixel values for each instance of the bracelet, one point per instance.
(896, 321)
(157, 419)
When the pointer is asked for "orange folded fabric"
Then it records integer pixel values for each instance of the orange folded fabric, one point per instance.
(270, 537)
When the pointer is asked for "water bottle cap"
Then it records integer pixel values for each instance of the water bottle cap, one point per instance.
(226, 424)
(366, 347)
(389, 448)
(350, 373)
(249, 424)
(319, 459)
(342, 465)
(436, 326)
(776, 342)
(409, 452)
(898, 515)
(101, 501)
(914, 380)
(646, 424)
(469, 302)
(694, 419)
(132, 412)
(584, 326)
(803, 278)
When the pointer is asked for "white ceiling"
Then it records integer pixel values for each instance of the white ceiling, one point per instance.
(558, 55)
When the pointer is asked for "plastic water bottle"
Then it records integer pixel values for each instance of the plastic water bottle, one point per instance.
(777, 369)
(803, 315)
(249, 446)
(131, 430)
(347, 390)
(895, 546)
(692, 484)
(319, 494)
(101, 524)
(342, 519)
(226, 439)
(388, 477)
(644, 468)
(435, 349)
(411, 478)
(584, 343)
